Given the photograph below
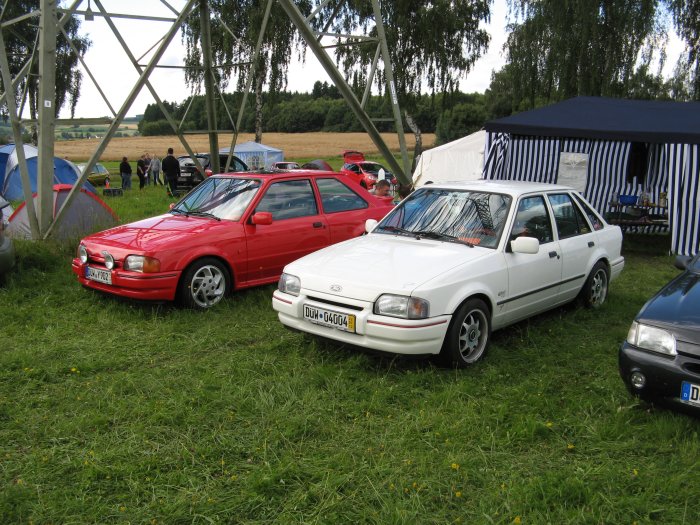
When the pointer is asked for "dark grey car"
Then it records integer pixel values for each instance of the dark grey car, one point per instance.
(660, 360)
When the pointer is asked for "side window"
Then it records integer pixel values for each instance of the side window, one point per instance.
(593, 217)
(289, 199)
(336, 196)
(568, 218)
(532, 220)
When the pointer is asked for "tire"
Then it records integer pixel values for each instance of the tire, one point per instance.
(468, 336)
(595, 290)
(204, 283)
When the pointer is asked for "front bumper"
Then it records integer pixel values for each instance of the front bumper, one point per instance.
(664, 374)
(376, 332)
(144, 286)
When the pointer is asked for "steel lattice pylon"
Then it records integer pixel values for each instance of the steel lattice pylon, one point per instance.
(52, 20)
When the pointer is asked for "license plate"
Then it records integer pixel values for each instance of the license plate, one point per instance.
(690, 393)
(344, 322)
(96, 274)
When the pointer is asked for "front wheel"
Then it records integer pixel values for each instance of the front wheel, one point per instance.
(468, 336)
(204, 284)
(595, 291)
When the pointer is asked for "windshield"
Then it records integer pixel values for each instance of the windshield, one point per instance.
(222, 198)
(372, 168)
(470, 217)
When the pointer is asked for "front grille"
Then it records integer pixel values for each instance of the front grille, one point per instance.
(334, 303)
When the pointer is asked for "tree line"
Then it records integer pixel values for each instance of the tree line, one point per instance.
(448, 115)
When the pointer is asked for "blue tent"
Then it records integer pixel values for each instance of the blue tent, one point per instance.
(621, 147)
(64, 172)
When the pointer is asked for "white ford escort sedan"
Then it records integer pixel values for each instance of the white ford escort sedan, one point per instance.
(450, 264)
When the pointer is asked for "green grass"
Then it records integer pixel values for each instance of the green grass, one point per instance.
(113, 411)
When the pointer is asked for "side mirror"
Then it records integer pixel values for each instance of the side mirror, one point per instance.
(682, 261)
(171, 205)
(208, 172)
(370, 224)
(262, 218)
(525, 245)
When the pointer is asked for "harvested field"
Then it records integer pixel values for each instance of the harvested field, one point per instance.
(294, 145)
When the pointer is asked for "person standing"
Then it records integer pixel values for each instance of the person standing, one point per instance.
(171, 171)
(141, 171)
(155, 170)
(147, 169)
(125, 171)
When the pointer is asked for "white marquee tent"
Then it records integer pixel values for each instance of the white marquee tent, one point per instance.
(462, 159)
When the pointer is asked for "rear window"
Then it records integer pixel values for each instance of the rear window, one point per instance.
(336, 196)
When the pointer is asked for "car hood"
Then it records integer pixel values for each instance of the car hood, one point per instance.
(156, 233)
(368, 266)
(677, 307)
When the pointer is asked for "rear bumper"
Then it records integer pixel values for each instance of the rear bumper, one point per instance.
(149, 287)
(375, 332)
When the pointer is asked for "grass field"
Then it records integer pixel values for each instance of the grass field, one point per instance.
(296, 146)
(119, 412)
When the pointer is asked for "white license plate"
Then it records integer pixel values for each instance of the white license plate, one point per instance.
(340, 321)
(96, 274)
(690, 393)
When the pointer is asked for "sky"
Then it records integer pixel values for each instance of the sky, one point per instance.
(116, 76)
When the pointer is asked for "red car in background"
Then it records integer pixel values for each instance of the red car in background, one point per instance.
(364, 172)
(232, 231)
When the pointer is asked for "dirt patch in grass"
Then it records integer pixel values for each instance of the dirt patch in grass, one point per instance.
(294, 145)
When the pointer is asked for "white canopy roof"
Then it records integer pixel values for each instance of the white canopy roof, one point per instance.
(462, 159)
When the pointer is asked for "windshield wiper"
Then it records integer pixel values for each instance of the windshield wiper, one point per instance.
(429, 234)
(199, 213)
(398, 229)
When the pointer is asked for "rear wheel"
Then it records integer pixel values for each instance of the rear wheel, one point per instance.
(468, 336)
(595, 291)
(204, 284)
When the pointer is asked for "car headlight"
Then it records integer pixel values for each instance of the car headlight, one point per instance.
(82, 253)
(290, 284)
(652, 338)
(402, 306)
(109, 260)
(141, 263)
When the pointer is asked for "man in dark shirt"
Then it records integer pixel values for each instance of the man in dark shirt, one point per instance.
(141, 171)
(171, 170)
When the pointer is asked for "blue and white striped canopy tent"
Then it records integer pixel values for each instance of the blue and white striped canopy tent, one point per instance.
(613, 134)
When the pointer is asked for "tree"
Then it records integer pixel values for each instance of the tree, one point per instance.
(686, 17)
(430, 43)
(560, 49)
(20, 41)
(244, 19)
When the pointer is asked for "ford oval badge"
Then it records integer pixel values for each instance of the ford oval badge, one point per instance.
(336, 288)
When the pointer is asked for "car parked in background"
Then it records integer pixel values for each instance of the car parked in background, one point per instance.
(7, 250)
(232, 231)
(660, 359)
(98, 175)
(364, 172)
(190, 176)
(285, 165)
(457, 261)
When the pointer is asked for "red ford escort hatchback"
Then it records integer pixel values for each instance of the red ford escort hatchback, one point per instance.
(230, 232)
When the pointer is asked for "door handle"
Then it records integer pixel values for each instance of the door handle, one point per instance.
(317, 225)
(553, 254)
(591, 244)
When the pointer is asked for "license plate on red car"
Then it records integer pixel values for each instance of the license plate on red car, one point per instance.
(340, 321)
(690, 393)
(99, 275)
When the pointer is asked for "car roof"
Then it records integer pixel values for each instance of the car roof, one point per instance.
(512, 187)
(301, 173)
